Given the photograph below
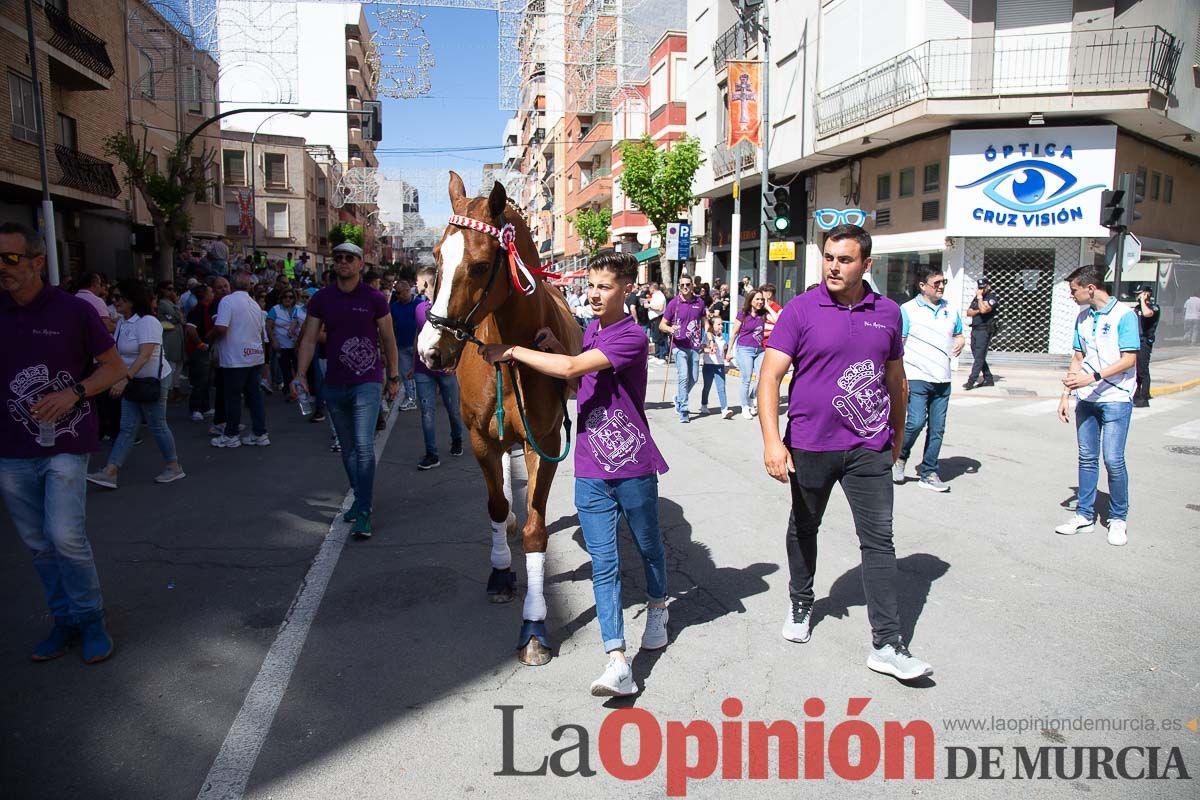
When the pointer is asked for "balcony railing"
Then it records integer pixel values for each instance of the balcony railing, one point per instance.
(79, 43)
(86, 173)
(724, 161)
(734, 43)
(1112, 59)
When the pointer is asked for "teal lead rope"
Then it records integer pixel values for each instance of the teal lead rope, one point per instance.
(521, 410)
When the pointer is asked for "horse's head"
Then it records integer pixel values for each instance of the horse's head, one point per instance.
(472, 278)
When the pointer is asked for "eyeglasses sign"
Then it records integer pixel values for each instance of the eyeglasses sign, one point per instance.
(830, 218)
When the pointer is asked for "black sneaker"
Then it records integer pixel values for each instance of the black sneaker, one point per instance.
(317, 417)
(968, 386)
(986, 382)
(429, 462)
(456, 448)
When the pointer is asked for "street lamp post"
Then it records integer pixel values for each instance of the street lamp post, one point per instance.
(254, 178)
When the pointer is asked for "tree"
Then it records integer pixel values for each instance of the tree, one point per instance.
(346, 232)
(168, 193)
(659, 182)
(592, 225)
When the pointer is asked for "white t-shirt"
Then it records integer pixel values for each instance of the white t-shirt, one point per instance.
(287, 324)
(134, 332)
(717, 356)
(657, 299)
(242, 344)
(1191, 308)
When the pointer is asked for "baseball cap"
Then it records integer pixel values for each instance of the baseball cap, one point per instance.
(983, 282)
(349, 247)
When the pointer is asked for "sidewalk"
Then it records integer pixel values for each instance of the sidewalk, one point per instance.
(1176, 370)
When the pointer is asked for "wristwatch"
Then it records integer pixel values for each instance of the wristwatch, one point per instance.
(80, 393)
(1096, 377)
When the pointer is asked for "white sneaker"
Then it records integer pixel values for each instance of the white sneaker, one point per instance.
(226, 441)
(250, 440)
(727, 413)
(754, 411)
(617, 680)
(655, 637)
(746, 413)
(1117, 533)
(209, 413)
(408, 405)
(197, 416)
(103, 478)
(897, 661)
(1077, 524)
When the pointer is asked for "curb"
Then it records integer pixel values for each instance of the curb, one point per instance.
(1174, 388)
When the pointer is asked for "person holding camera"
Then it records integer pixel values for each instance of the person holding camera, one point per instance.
(1148, 315)
(982, 312)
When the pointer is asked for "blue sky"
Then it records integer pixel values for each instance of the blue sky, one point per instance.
(461, 109)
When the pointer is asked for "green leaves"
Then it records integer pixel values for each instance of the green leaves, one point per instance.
(593, 225)
(346, 232)
(659, 182)
(167, 193)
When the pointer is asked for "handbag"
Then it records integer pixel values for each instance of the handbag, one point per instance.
(145, 390)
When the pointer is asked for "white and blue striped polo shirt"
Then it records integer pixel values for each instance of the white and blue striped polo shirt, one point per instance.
(1102, 336)
(928, 333)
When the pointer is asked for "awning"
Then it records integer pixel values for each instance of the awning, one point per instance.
(646, 255)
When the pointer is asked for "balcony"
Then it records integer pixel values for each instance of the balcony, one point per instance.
(596, 141)
(87, 65)
(598, 192)
(1107, 61)
(735, 43)
(86, 173)
(724, 161)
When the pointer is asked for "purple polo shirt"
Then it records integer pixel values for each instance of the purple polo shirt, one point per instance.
(691, 316)
(351, 333)
(613, 440)
(838, 399)
(49, 345)
(752, 330)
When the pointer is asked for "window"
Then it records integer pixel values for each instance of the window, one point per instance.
(678, 85)
(195, 90)
(933, 177)
(883, 187)
(323, 227)
(1141, 178)
(277, 220)
(67, 134)
(275, 169)
(213, 174)
(20, 98)
(908, 182)
(233, 216)
(1155, 184)
(145, 74)
(1168, 189)
(235, 168)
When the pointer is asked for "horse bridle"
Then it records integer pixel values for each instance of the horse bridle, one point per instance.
(464, 329)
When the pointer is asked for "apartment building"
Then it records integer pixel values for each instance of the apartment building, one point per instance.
(973, 134)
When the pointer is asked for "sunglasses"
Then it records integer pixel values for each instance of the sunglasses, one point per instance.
(340, 257)
(12, 259)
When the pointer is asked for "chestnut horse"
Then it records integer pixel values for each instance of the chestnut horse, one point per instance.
(479, 297)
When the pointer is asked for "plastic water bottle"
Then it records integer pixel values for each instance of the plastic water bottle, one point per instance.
(304, 401)
(46, 434)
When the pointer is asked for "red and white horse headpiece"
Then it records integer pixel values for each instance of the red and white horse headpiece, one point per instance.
(522, 276)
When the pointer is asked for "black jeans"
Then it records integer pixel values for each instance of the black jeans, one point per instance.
(981, 338)
(244, 382)
(866, 479)
(1142, 394)
(200, 374)
(287, 366)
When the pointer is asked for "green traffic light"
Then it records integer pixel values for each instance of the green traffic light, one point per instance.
(782, 224)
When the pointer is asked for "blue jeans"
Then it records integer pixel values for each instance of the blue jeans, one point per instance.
(427, 389)
(600, 504)
(749, 361)
(46, 499)
(155, 415)
(926, 400)
(244, 382)
(353, 410)
(316, 383)
(1094, 423)
(713, 373)
(406, 368)
(687, 370)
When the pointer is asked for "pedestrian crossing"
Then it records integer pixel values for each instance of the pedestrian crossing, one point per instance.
(1188, 430)
(1045, 407)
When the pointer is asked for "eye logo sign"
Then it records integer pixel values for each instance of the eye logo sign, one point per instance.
(1026, 185)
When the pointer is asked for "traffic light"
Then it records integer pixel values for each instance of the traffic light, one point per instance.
(372, 120)
(1112, 209)
(1134, 187)
(779, 209)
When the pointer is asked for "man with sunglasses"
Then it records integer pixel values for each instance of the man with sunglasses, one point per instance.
(56, 355)
(933, 335)
(357, 321)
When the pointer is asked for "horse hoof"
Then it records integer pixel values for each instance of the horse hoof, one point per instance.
(502, 586)
(510, 526)
(502, 596)
(534, 653)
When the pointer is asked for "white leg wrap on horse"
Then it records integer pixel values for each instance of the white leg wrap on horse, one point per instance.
(535, 601)
(506, 485)
(501, 555)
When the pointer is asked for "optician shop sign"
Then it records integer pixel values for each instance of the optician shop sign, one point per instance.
(1029, 181)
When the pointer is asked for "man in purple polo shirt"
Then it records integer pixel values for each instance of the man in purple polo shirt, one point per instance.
(846, 408)
(684, 320)
(357, 322)
(56, 355)
(429, 382)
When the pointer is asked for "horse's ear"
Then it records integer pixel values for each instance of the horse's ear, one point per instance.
(497, 200)
(457, 190)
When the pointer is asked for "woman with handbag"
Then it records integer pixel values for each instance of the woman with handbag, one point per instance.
(143, 392)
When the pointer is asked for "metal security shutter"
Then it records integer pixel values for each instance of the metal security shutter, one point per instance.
(1032, 13)
(947, 19)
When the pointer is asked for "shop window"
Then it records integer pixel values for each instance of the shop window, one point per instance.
(932, 178)
(1155, 184)
(908, 182)
(895, 274)
(883, 187)
(930, 211)
(1168, 189)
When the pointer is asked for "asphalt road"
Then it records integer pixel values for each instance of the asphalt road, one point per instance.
(394, 692)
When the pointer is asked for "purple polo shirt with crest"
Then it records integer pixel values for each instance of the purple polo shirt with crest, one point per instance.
(351, 333)
(49, 345)
(613, 440)
(838, 399)
(690, 316)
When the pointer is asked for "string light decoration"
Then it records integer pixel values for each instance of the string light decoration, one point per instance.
(357, 185)
(163, 69)
(405, 72)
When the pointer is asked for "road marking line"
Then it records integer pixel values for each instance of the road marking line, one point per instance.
(967, 402)
(1159, 406)
(230, 770)
(1038, 409)
(1188, 430)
